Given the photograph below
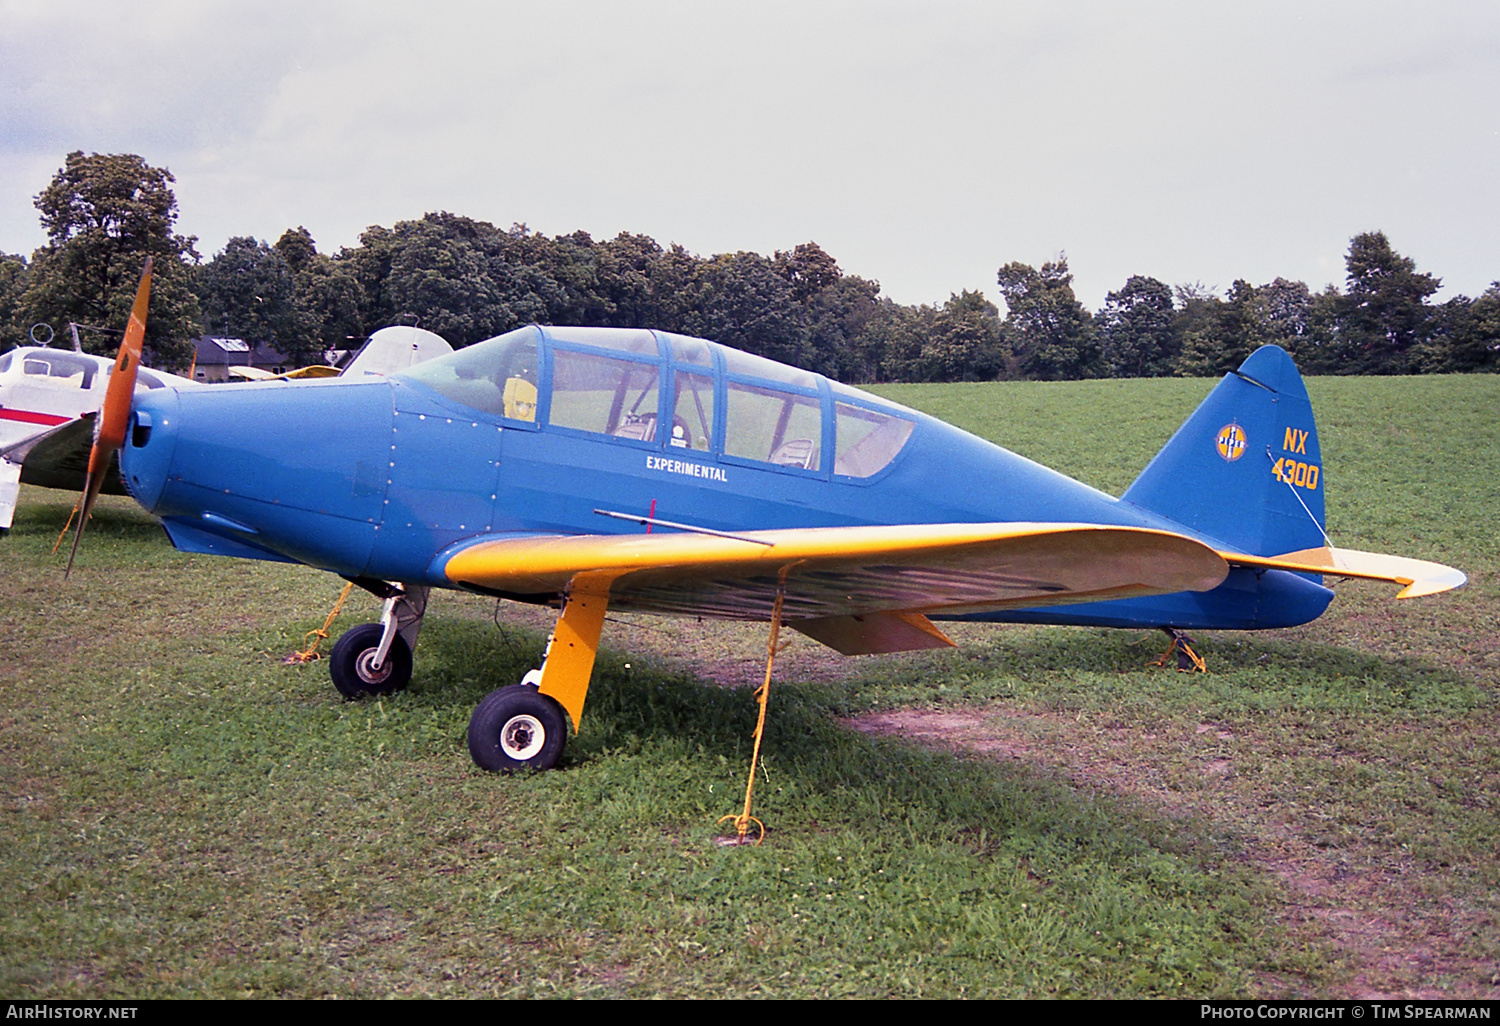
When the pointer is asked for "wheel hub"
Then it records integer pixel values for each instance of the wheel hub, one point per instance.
(522, 737)
(365, 667)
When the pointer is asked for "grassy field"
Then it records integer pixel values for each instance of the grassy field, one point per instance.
(1036, 814)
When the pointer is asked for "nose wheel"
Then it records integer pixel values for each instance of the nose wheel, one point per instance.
(375, 658)
(355, 669)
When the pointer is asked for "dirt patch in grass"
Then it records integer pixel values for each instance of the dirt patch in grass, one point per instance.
(1387, 928)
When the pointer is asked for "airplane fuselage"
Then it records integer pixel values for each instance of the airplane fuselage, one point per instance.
(534, 435)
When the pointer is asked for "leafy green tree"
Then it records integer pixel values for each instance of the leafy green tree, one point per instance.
(1241, 327)
(898, 333)
(370, 264)
(808, 269)
(1284, 310)
(1048, 330)
(964, 342)
(569, 267)
(12, 287)
(104, 214)
(1480, 349)
(1464, 336)
(837, 317)
(297, 248)
(452, 275)
(835, 308)
(1196, 326)
(440, 271)
(1135, 330)
(1321, 351)
(329, 298)
(1385, 315)
(675, 291)
(1216, 335)
(740, 300)
(627, 265)
(248, 291)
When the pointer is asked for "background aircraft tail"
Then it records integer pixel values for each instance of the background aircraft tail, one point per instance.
(1245, 469)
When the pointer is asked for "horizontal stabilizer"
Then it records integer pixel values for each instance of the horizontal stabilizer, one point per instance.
(1417, 576)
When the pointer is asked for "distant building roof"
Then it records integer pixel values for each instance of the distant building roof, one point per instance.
(236, 352)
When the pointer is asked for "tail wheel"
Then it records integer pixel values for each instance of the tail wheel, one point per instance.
(516, 728)
(352, 663)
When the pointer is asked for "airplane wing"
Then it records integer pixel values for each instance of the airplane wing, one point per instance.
(316, 370)
(1417, 577)
(59, 458)
(857, 589)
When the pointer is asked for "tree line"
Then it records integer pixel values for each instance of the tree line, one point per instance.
(469, 280)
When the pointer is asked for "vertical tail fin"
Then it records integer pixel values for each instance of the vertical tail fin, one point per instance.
(1245, 469)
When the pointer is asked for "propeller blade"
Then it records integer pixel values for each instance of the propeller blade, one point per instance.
(109, 429)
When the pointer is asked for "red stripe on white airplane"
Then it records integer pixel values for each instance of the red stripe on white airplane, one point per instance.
(28, 417)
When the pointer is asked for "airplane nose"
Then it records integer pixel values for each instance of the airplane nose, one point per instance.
(150, 442)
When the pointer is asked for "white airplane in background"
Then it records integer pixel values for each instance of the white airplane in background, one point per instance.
(50, 398)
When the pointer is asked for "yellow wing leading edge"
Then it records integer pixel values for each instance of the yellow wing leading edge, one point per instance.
(851, 571)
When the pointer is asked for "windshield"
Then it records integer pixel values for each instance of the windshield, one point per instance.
(498, 376)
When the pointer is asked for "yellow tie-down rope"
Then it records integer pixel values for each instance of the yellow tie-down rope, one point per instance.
(319, 635)
(1188, 661)
(71, 514)
(743, 821)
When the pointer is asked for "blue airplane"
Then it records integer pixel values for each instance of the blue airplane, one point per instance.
(597, 468)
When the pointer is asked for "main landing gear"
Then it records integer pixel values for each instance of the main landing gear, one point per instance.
(524, 726)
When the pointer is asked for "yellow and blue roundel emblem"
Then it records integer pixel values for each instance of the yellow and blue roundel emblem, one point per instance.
(1230, 442)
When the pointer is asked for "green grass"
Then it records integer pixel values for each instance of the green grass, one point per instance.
(183, 815)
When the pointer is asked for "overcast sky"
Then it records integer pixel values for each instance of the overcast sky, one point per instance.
(921, 144)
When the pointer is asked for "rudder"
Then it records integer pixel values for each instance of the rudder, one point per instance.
(1245, 469)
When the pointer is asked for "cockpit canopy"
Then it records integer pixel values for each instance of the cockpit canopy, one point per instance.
(64, 369)
(655, 389)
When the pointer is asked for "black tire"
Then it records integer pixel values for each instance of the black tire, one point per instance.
(349, 665)
(517, 728)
